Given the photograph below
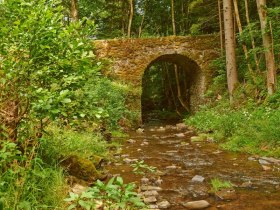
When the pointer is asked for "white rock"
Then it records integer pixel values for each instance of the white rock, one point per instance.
(198, 178)
(180, 135)
(171, 167)
(197, 204)
(163, 205)
(151, 188)
(153, 206)
(264, 162)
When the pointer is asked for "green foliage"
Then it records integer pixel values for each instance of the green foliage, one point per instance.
(62, 143)
(32, 186)
(218, 184)
(114, 195)
(249, 128)
(8, 153)
(139, 167)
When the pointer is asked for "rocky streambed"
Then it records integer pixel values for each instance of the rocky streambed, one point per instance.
(187, 164)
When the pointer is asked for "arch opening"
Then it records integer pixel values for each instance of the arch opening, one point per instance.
(170, 87)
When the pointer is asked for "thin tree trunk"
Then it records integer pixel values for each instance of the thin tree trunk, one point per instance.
(141, 25)
(171, 89)
(230, 48)
(130, 18)
(236, 11)
(179, 95)
(251, 35)
(221, 28)
(173, 18)
(74, 10)
(267, 44)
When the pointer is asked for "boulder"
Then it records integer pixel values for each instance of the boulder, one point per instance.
(81, 168)
(201, 204)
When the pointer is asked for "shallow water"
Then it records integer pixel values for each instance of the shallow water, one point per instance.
(204, 159)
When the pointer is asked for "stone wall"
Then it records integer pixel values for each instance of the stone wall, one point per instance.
(129, 58)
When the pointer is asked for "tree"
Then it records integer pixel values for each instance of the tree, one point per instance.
(173, 18)
(230, 48)
(74, 10)
(131, 5)
(267, 44)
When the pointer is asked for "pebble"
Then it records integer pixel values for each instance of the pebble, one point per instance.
(161, 129)
(266, 168)
(151, 199)
(140, 130)
(226, 194)
(264, 162)
(246, 184)
(271, 160)
(251, 158)
(150, 193)
(198, 178)
(201, 204)
(145, 180)
(153, 206)
(128, 160)
(179, 135)
(196, 138)
(158, 182)
(181, 126)
(151, 188)
(130, 141)
(78, 189)
(171, 167)
(163, 205)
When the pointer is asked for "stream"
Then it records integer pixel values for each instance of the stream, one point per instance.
(187, 165)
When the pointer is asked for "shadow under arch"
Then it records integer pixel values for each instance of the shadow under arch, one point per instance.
(160, 96)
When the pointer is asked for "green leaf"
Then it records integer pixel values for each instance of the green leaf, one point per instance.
(66, 100)
(72, 206)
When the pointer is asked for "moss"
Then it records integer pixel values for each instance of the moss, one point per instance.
(81, 168)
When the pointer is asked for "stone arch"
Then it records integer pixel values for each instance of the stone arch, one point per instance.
(194, 74)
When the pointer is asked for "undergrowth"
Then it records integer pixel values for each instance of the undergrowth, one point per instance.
(248, 128)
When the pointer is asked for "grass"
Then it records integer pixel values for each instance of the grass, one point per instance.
(251, 128)
(62, 142)
(217, 184)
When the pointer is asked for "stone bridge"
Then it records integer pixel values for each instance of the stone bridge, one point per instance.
(129, 58)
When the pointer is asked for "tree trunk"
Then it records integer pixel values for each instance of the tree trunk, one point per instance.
(252, 37)
(130, 18)
(173, 18)
(179, 95)
(171, 90)
(245, 50)
(74, 10)
(267, 44)
(230, 48)
(141, 25)
(221, 28)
